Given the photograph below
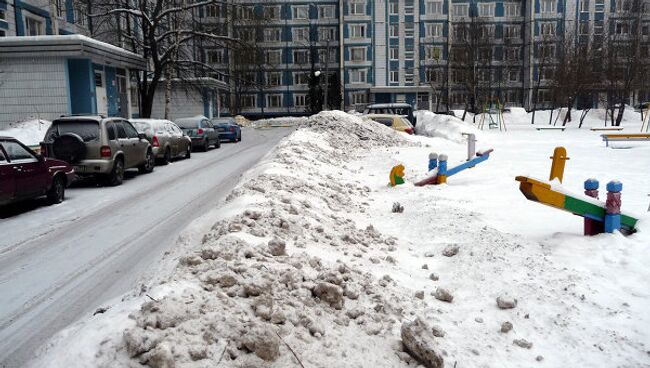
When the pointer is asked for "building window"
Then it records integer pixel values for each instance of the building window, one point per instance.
(622, 28)
(274, 101)
(433, 7)
(408, 77)
(394, 53)
(358, 75)
(327, 12)
(486, 10)
(358, 54)
(393, 30)
(357, 31)
(512, 10)
(247, 35)
(79, 16)
(300, 12)
(3, 15)
(213, 11)
(327, 55)
(248, 101)
(434, 30)
(584, 6)
(300, 57)
(393, 7)
(300, 34)
(433, 52)
(584, 28)
(273, 79)
(215, 56)
(272, 12)
(274, 57)
(359, 98)
(326, 34)
(512, 31)
(433, 76)
(300, 79)
(513, 76)
(2, 33)
(394, 76)
(460, 10)
(299, 100)
(245, 12)
(357, 7)
(599, 6)
(409, 30)
(548, 6)
(34, 27)
(272, 35)
(547, 51)
(512, 54)
(547, 28)
(599, 27)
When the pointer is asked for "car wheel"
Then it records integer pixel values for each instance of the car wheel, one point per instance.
(148, 164)
(116, 177)
(167, 157)
(206, 145)
(218, 145)
(56, 194)
(188, 152)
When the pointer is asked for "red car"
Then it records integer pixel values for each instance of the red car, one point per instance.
(25, 175)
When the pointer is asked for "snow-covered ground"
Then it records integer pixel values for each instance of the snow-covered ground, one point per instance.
(30, 132)
(306, 264)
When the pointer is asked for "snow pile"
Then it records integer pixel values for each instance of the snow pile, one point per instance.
(274, 284)
(30, 132)
(443, 126)
(279, 122)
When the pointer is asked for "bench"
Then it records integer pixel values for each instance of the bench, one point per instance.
(624, 138)
(606, 129)
(551, 128)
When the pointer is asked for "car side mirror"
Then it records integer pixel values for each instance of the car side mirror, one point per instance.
(142, 136)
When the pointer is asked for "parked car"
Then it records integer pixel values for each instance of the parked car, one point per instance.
(25, 174)
(99, 146)
(402, 109)
(397, 122)
(166, 138)
(201, 131)
(228, 129)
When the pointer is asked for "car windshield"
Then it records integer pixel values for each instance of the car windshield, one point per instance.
(88, 130)
(386, 121)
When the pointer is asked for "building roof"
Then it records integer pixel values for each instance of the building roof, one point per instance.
(70, 46)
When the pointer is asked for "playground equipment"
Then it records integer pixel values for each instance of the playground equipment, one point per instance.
(599, 217)
(624, 138)
(438, 163)
(494, 108)
(397, 175)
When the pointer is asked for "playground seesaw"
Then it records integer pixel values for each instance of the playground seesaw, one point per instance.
(599, 216)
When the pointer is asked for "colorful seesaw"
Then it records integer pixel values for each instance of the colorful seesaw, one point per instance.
(438, 163)
(598, 216)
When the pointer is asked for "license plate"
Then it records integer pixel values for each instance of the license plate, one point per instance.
(80, 169)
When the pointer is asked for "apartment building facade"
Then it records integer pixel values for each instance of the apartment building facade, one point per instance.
(400, 50)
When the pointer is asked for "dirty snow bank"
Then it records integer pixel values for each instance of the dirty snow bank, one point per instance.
(30, 132)
(273, 283)
(279, 122)
(443, 126)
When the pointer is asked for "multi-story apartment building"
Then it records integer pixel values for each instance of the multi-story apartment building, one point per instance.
(32, 18)
(408, 50)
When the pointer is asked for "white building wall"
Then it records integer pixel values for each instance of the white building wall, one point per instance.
(10, 18)
(183, 104)
(32, 88)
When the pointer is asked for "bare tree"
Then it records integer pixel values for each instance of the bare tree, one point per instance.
(164, 32)
(472, 60)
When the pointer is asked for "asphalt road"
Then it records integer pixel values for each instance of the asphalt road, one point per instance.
(59, 263)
